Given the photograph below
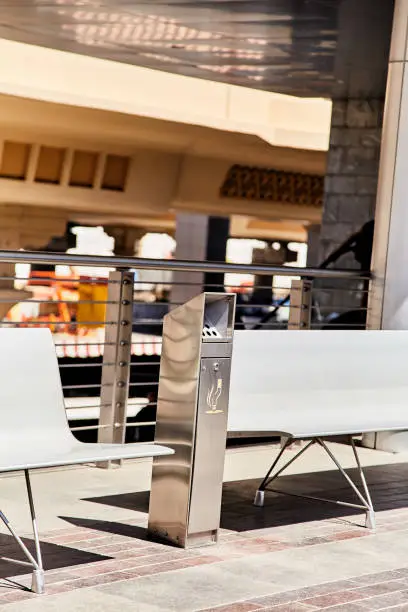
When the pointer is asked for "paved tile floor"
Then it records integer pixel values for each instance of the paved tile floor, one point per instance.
(292, 554)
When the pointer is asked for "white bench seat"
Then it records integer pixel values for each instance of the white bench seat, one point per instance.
(37, 456)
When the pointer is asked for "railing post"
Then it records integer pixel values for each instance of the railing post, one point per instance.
(116, 359)
(300, 315)
(300, 304)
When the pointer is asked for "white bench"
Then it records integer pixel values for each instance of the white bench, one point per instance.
(34, 428)
(316, 384)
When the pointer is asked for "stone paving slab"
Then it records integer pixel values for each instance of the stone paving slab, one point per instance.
(290, 555)
(191, 581)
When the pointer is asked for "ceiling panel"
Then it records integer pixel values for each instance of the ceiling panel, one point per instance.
(277, 45)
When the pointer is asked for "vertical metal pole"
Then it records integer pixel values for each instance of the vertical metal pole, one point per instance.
(37, 581)
(115, 378)
(300, 304)
(300, 315)
(33, 519)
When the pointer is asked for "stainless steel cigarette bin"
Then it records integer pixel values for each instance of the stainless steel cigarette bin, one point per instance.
(185, 499)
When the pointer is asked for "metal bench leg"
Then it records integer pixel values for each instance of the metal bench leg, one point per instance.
(260, 494)
(37, 584)
(38, 574)
(370, 514)
(366, 501)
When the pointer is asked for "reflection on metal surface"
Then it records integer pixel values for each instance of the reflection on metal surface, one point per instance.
(251, 183)
(277, 45)
(192, 411)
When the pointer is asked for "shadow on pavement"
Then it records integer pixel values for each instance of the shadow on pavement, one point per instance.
(54, 556)
(387, 485)
(122, 529)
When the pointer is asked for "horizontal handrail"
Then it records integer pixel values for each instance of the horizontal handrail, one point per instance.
(172, 264)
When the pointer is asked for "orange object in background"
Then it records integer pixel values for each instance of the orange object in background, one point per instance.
(243, 287)
(68, 306)
(41, 278)
(95, 292)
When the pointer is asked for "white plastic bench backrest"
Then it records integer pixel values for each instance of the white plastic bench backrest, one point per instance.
(314, 383)
(34, 431)
(31, 400)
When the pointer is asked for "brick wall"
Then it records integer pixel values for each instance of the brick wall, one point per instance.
(350, 185)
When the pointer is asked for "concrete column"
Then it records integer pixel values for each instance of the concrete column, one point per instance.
(200, 238)
(217, 237)
(389, 298)
(126, 239)
(313, 245)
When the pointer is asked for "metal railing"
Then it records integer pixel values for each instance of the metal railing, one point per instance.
(107, 329)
